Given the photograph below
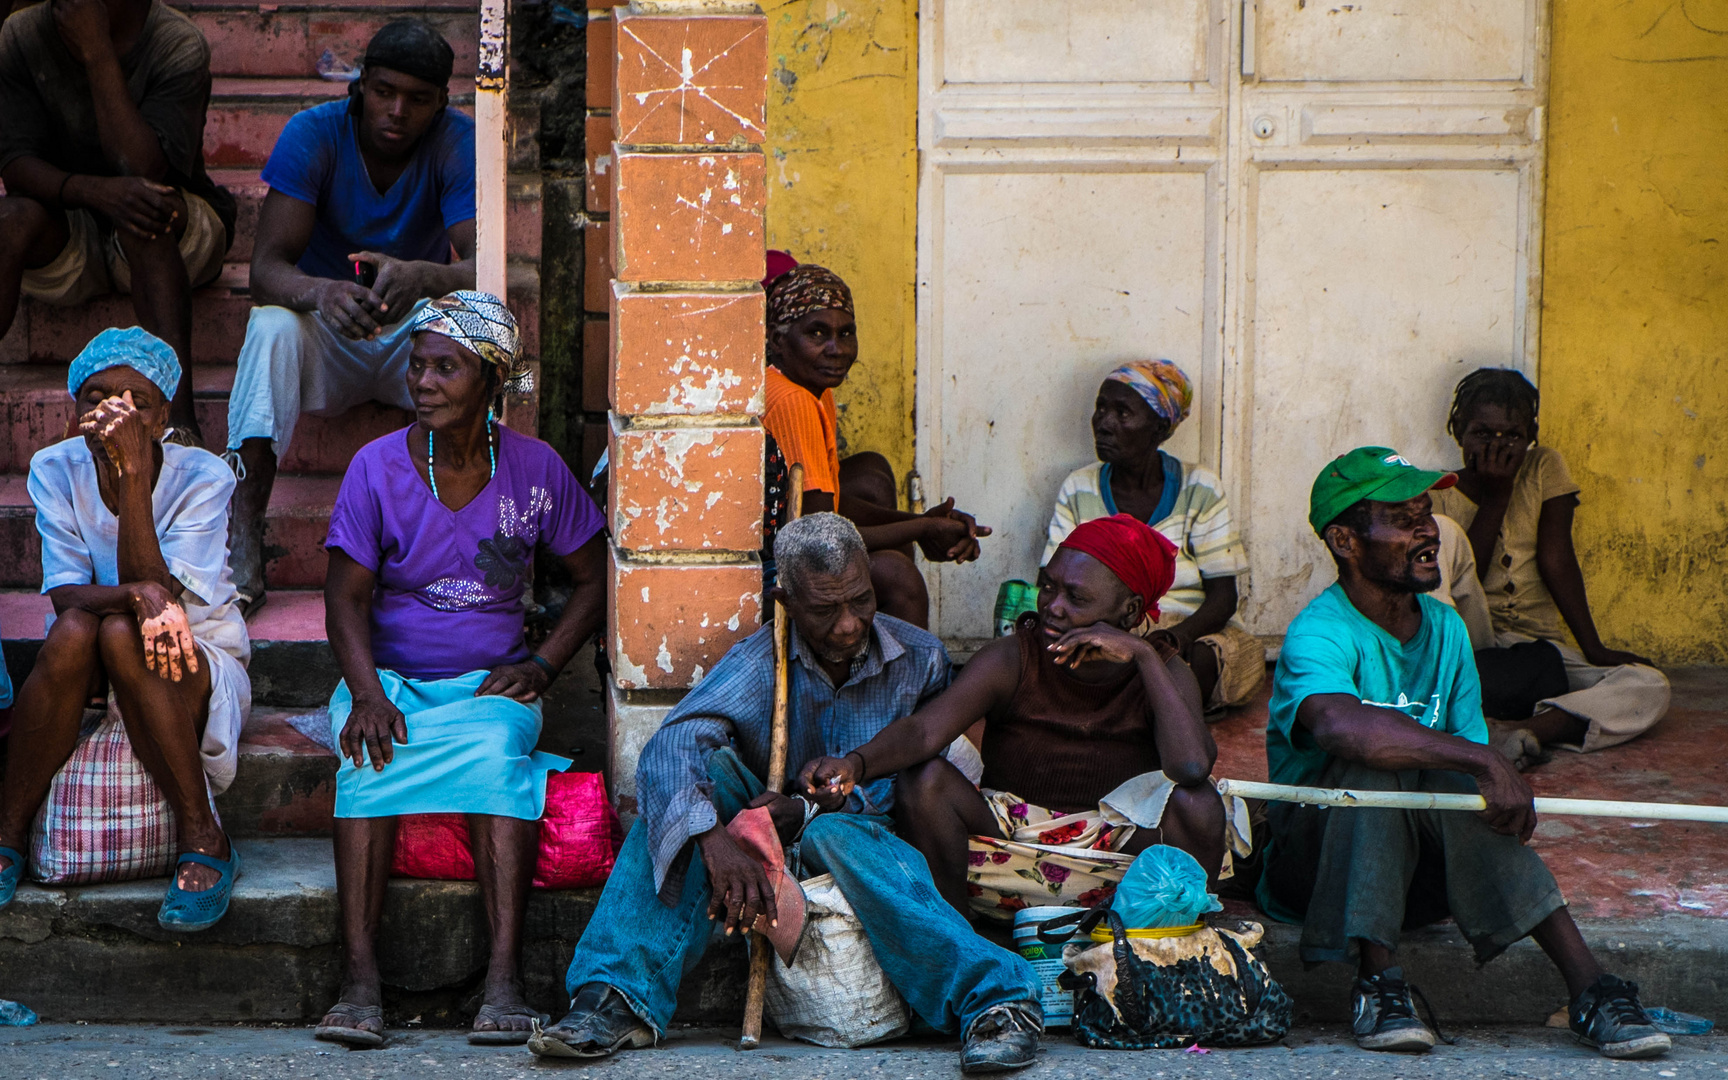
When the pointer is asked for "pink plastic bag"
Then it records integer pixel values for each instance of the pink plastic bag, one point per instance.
(579, 838)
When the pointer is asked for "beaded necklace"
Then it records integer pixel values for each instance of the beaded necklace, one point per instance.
(491, 452)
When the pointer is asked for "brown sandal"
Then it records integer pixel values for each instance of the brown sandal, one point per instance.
(500, 1035)
(352, 1034)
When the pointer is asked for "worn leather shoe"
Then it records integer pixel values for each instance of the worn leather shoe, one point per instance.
(1609, 1017)
(599, 1024)
(1003, 1038)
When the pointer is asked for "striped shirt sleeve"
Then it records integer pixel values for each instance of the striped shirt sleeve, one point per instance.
(1213, 541)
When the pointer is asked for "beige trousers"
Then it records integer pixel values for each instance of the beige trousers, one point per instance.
(1621, 703)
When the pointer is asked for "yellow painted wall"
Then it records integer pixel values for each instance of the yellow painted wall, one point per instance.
(1634, 366)
(843, 187)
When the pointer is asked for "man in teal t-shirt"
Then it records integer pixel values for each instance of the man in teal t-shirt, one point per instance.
(1376, 688)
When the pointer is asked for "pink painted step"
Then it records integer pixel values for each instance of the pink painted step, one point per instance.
(294, 530)
(36, 410)
(291, 615)
(287, 39)
(247, 114)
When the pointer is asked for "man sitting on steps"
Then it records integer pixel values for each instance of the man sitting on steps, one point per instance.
(102, 108)
(1376, 688)
(367, 199)
(852, 670)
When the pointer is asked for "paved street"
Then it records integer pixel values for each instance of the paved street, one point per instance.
(121, 1052)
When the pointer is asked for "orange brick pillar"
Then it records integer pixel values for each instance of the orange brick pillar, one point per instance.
(685, 353)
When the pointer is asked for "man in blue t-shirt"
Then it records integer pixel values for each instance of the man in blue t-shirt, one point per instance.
(1376, 688)
(370, 213)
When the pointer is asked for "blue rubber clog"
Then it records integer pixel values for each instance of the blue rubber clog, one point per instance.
(187, 912)
(11, 876)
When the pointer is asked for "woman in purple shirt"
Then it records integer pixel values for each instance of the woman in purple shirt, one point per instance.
(431, 543)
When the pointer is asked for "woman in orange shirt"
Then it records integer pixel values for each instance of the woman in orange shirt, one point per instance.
(812, 345)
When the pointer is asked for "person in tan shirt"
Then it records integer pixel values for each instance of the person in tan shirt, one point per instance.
(1515, 501)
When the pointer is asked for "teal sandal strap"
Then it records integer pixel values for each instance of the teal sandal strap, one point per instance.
(16, 856)
(221, 866)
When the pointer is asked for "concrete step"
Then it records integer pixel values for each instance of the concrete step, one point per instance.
(96, 953)
(45, 334)
(291, 668)
(294, 530)
(37, 411)
(288, 39)
(286, 782)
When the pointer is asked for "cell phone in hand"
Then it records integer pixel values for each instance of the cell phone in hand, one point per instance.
(365, 273)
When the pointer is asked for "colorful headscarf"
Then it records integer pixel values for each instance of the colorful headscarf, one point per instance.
(479, 322)
(804, 289)
(1162, 384)
(133, 347)
(1143, 558)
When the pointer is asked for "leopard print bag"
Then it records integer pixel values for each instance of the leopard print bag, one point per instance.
(1165, 993)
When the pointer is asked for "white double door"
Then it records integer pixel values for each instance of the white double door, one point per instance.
(1325, 212)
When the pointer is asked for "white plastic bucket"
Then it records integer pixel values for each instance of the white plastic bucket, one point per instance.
(1046, 960)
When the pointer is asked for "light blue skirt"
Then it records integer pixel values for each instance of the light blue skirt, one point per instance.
(464, 754)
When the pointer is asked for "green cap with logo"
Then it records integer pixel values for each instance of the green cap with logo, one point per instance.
(1379, 473)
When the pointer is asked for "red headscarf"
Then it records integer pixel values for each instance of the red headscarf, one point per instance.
(1141, 556)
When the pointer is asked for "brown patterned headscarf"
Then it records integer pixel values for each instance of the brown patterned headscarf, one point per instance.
(805, 289)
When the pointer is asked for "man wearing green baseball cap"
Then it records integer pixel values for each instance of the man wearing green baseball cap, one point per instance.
(1377, 688)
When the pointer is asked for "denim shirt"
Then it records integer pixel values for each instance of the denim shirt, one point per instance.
(902, 668)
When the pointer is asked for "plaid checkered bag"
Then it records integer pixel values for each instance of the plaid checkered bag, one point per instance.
(104, 818)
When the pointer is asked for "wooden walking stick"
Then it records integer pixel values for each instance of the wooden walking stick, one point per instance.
(760, 950)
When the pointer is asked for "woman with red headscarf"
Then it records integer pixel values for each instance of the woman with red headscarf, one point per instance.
(1094, 747)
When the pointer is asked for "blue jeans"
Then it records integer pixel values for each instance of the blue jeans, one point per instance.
(945, 971)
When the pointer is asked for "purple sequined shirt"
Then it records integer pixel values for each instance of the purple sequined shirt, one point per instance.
(450, 582)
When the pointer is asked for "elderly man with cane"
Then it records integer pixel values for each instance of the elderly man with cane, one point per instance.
(1377, 689)
(853, 672)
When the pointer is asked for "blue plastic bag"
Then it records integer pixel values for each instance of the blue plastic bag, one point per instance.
(1164, 886)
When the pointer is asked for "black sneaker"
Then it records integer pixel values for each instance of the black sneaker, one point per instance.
(1384, 1016)
(1609, 1017)
(600, 1023)
(1003, 1038)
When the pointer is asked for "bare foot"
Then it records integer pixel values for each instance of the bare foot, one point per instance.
(196, 877)
(505, 1008)
(1519, 745)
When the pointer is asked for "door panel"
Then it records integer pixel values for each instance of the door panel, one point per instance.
(1389, 40)
(1049, 279)
(1375, 291)
(1034, 41)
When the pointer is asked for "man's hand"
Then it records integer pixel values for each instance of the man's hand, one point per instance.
(829, 780)
(951, 535)
(142, 207)
(169, 649)
(354, 310)
(1603, 656)
(787, 812)
(741, 892)
(1511, 805)
(399, 282)
(372, 725)
(119, 426)
(83, 26)
(523, 682)
(1100, 642)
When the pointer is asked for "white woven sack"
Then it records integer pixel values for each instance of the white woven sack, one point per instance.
(835, 993)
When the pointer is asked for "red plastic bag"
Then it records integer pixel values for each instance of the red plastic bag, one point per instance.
(579, 838)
